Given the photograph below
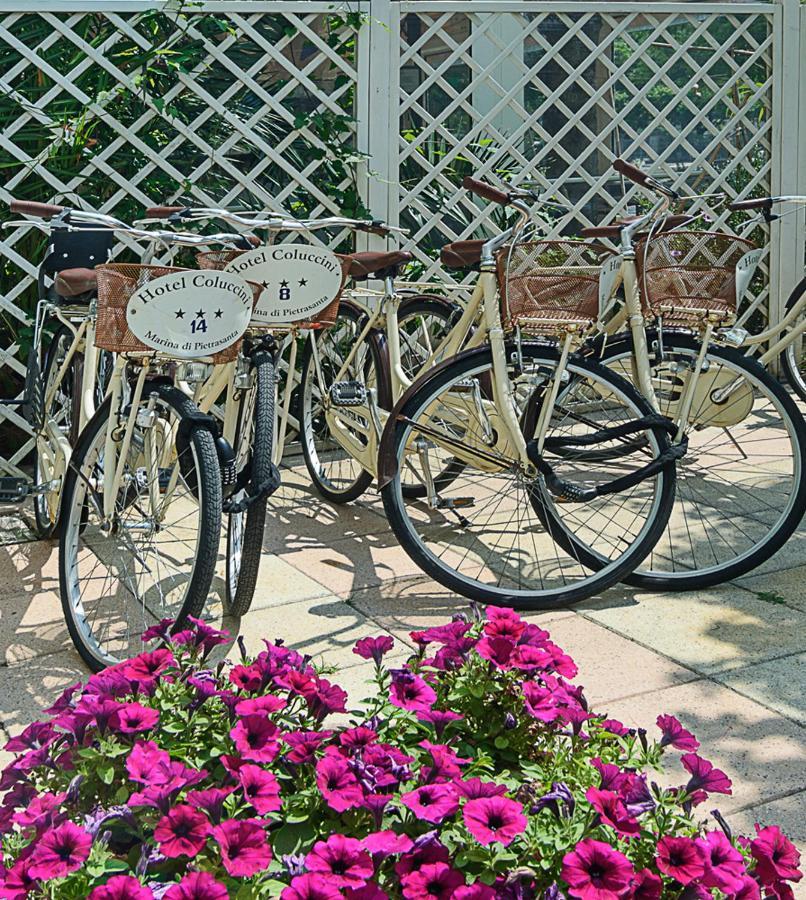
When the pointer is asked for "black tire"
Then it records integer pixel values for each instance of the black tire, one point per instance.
(793, 359)
(64, 410)
(494, 590)
(245, 529)
(198, 484)
(333, 486)
(747, 514)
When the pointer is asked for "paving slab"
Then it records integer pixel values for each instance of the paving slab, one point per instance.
(777, 684)
(709, 631)
(29, 567)
(31, 624)
(760, 751)
(786, 586)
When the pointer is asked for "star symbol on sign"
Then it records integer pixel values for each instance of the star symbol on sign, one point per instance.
(283, 284)
(265, 284)
(218, 313)
(200, 313)
(303, 282)
(180, 314)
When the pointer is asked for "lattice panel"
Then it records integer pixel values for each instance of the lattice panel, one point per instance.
(554, 97)
(117, 111)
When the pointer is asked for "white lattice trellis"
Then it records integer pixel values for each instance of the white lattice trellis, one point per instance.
(705, 93)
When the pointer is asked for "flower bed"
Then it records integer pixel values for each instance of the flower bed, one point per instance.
(476, 771)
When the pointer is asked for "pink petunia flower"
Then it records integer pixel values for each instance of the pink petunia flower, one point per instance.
(704, 777)
(434, 881)
(244, 848)
(427, 849)
(261, 789)
(475, 788)
(182, 831)
(675, 735)
(256, 738)
(477, 891)
(387, 843)
(373, 648)
(41, 812)
(439, 718)
(369, 891)
(311, 887)
(210, 801)
(326, 698)
(615, 727)
(358, 738)
(148, 665)
(540, 702)
(596, 871)
(143, 759)
(749, 890)
(247, 678)
(432, 802)
(409, 691)
(646, 886)
(121, 887)
(342, 860)
(260, 706)
(776, 857)
(133, 718)
(34, 737)
(304, 744)
(494, 819)
(17, 881)
(197, 886)
(337, 784)
(502, 621)
(612, 811)
(724, 865)
(59, 851)
(497, 650)
(160, 631)
(681, 858)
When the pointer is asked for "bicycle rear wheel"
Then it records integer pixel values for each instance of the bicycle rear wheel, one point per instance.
(741, 490)
(793, 359)
(155, 557)
(491, 532)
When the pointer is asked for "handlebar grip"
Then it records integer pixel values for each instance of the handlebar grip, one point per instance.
(630, 171)
(753, 203)
(487, 191)
(31, 208)
(163, 212)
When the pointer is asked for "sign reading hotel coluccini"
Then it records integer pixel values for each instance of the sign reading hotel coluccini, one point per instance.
(298, 281)
(190, 314)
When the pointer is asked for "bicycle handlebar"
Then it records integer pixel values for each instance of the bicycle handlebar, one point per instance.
(639, 177)
(32, 208)
(487, 191)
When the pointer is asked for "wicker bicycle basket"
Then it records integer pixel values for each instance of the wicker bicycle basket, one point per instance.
(219, 259)
(116, 283)
(687, 275)
(548, 285)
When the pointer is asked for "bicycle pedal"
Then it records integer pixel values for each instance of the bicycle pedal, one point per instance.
(348, 393)
(455, 502)
(13, 490)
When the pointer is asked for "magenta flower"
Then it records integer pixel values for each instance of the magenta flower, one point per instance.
(494, 819)
(675, 735)
(681, 858)
(358, 738)
(342, 860)
(264, 705)
(256, 738)
(612, 811)
(497, 650)
(475, 788)
(749, 890)
(776, 857)
(41, 811)
(646, 886)
(304, 744)
(34, 737)
(433, 881)
(133, 717)
(59, 852)
(197, 886)
(326, 698)
(210, 801)
(143, 759)
(477, 891)
(504, 622)
(724, 865)
(247, 678)
(337, 784)
(369, 891)
(311, 887)
(439, 718)
(373, 648)
(615, 727)
(261, 789)
(160, 631)
(147, 666)
(704, 777)
(182, 831)
(17, 882)
(540, 702)
(595, 871)
(432, 802)
(121, 887)
(410, 692)
(244, 849)
(387, 843)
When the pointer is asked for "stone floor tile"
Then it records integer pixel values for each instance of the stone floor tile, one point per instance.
(610, 666)
(278, 582)
(787, 586)
(777, 684)
(29, 567)
(759, 750)
(31, 624)
(710, 631)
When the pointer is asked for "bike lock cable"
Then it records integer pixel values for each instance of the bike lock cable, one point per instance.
(566, 490)
(263, 492)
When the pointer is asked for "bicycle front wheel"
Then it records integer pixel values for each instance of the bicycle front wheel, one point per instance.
(494, 533)
(741, 490)
(155, 556)
(254, 447)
